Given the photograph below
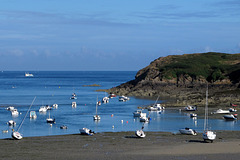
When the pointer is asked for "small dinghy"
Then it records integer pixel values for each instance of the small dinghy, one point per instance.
(33, 115)
(221, 111)
(230, 117)
(190, 108)
(55, 106)
(188, 131)
(232, 110)
(86, 131)
(43, 109)
(16, 135)
(123, 98)
(11, 123)
(5, 131)
(105, 100)
(50, 120)
(192, 115)
(73, 97)
(10, 108)
(74, 104)
(140, 133)
(14, 112)
(137, 113)
(63, 127)
(144, 118)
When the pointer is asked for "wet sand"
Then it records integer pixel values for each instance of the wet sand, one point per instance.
(123, 145)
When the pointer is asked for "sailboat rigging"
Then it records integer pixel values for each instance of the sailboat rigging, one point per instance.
(15, 134)
(140, 133)
(207, 134)
(96, 117)
(49, 119)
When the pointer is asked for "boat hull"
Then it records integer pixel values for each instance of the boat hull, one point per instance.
(230, 117)
(63, 127)
(16, 135)
(220, 111)
(96, 117)
(140, 133)
(138, 113)
(188, 131)
(50, 120)
(209, 135)
(86, 131)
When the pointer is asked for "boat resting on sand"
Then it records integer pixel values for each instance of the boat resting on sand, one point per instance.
(16, 135)
(221, 111)
(140, 133)
(86, 131)
(207, 134)
(188, 131)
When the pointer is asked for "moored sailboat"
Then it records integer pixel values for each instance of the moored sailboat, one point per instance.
(15, 134)
(50, 120)
(140, 133)
(207, 134)
(96, 117)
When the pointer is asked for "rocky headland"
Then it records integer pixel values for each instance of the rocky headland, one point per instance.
(183, 79)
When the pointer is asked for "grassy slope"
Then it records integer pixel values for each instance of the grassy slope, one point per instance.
(212, 66)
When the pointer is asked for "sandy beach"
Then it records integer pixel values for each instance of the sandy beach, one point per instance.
(123, 145)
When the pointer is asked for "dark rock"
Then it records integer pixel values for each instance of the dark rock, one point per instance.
(184, 84)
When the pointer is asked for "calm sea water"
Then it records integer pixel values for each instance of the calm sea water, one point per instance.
(57, 87)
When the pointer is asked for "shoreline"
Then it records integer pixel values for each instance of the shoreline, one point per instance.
(119, 145)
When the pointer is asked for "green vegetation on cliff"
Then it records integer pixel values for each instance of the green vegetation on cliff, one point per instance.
(212, 66)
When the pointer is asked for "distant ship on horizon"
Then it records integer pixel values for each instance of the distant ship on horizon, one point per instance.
(28, 75)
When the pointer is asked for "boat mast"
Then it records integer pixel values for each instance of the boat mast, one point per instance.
(26, 115)
(156, 101)
(206, 112)
(96, 105)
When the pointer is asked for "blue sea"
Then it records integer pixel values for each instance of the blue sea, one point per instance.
(50, 87)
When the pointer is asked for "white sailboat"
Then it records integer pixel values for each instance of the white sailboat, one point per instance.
(96, 117)
(207, 134)
(28, 74)
(33, 115)
(15, 134)
(140, 133)
(74, 104)
(50, 120)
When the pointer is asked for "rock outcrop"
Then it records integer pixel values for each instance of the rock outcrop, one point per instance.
(184, 78)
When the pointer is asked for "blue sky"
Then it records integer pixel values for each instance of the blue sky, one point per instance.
(112, 35)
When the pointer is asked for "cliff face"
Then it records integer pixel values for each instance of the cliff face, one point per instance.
(185, 77)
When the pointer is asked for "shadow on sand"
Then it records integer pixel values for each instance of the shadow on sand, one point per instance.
(8, 139)
(199, 141)
(132, 136)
